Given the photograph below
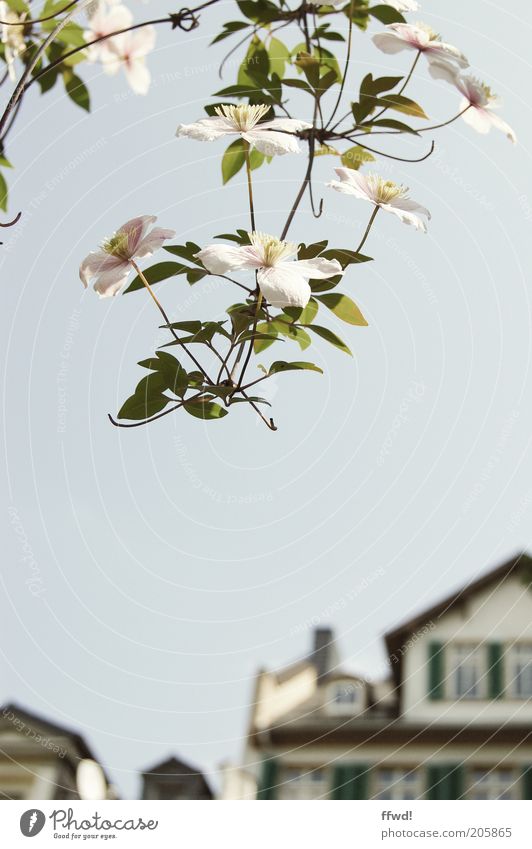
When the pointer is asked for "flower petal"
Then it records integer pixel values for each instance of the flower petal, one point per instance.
(351, 183)
(477, 117)
(221, 258)
(318, 268)
(206, 129)
(499, 124)
(153, 241)
(440, 69)
(110, 283)
(138, 75)
(289, 125)
(136, 229)
(405, 210)
(443, 50)
(389, 42)
(284, 286)
(272, 143)
(97, 262)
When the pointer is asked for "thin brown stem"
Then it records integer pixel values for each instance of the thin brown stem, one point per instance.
(29, 21)
(368, 228)
(167, 320)
(250, 187)
(346, 68)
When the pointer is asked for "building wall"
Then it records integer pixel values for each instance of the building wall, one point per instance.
(502, 614)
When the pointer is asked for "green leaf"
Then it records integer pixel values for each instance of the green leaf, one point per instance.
(147, 400)
(311, 251)
(386, 14)
(3, 193)
(156, 273)
(305, 315)
(345, 257)
(203, 408)
(266, 338)
(310, 65)
(187, 251)
(295, 333)
(187, 326)
(392, 125)
(343, 307)
(279, 56)
(400, 103)
(173, 373)
(356, 156)
(280, 365)
(77, 90)
(229, 28)
(233, 159)
(329, 336)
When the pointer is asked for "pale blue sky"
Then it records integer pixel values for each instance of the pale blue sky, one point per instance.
(178, 558)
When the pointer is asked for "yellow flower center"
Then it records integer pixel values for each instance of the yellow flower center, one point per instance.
(243, 117)
(271, 250)
(433, 36)
(383, 191)
(117, 245)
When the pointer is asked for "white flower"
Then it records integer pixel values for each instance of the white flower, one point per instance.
(102, 22)
(12, 36)
(478, 100)
(382, 193)
(401, 5)
(271, 137)
(282, 281)
(128, 51)
(418, 37)
(109, 267)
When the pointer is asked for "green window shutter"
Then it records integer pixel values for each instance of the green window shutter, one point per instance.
(350, 781)
(526, 782)
(436, 671)
(267, 788)
(495, 671)
(445, 782)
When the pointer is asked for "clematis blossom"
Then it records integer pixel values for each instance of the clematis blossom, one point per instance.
(478, 101)
(418, 37)
(103, 20)
(109, 267)
(128, 51)
(271, 137)
(384, 194)
(12, 36)
(282, 281)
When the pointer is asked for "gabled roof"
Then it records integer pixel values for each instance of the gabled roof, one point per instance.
(51, 728)
(172, 766)
(395, 639)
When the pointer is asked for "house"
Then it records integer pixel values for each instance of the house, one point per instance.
(42, 760)
(452, 719)
(174, 779)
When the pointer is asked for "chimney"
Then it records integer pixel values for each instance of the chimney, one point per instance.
(324, 655)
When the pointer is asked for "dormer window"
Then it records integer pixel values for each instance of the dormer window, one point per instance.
(344, 698)
(468, 673)
(520, 671)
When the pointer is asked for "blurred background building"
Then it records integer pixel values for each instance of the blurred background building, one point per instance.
(450, 718)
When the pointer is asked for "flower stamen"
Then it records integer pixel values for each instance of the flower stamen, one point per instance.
(271, 249)
(243, 117)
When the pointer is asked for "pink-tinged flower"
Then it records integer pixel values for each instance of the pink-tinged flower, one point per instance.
(102, 22)
(478, 100)
(418, 37)
(110, 266)
(282, 281)
(128, 51)
(270, 137)
(382, 193)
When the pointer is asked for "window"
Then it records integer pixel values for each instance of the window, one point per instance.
(302, 783)
(500, 783)
(344, 697)
(520, 671)
(399, 784)
(467, 673)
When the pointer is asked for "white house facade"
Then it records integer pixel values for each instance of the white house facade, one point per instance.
(453, 720)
